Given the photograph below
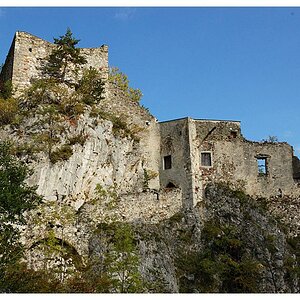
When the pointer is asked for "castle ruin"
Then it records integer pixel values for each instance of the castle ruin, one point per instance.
(186, 153)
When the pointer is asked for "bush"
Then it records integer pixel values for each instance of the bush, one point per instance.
(61, 154)
(78, 139)
(91, 87)
(45, 91)
(6, 89)
(71, 106)
(8, 111)
(120, 79)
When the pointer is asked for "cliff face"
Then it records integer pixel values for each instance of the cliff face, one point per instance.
(97, 163)
(99, 172)
(229, 243)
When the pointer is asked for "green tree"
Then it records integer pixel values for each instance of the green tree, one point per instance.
(65, 58)
(50, 122)
(121, 80)
(90, 87)
(6, 89)
(16, 197)
(115, 268)
(8, 111)
(123, 262)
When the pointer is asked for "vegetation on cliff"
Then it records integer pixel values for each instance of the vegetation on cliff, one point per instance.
(16, 198)
(229, 243)
(58, 98)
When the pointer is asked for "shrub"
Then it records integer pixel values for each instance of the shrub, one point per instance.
(91, 87)
(71, 106)
(78, 139)
(45, 91)
(6, 89)
(8, 111)
(120, 79)
(135, 94)
(60, 154)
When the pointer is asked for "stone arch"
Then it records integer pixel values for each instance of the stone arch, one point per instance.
(70, 252)
(171, 185)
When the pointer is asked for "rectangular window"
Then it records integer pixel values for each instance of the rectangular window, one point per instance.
(262, 165)
(206, 159)
(167, 162)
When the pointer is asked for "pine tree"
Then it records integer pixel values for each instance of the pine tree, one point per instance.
(65, 58)
(123, 262)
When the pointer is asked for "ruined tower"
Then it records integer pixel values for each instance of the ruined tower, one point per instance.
(28, 52)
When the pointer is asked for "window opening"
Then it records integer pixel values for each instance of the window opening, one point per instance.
(262, 166)
(170, 185)
(233, 134)
(167, 162)
(206, 159)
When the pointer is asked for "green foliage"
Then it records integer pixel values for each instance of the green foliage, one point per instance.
(120, 79)
(120, 127)
(78, 139)
(16, 197)
(50, 127)
(26, 149)
(90, 87)
(108, 196)
(64, 59)
(6, 89)
(120, 271)
(45, 91)
(135, 94)
(19, 279)
(62, 153)
(8, 111)
(222, 266)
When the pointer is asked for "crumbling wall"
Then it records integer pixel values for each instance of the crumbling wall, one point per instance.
(296, 168)
(175, 147)
(235, 160)
(141, 123)
(204, 134)
(205, 151)
(28, 54)
(76, 226)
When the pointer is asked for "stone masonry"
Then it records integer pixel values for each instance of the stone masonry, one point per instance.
(185, 153)
(28, 52)
(196, 152)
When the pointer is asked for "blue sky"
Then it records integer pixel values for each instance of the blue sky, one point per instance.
(212, 63)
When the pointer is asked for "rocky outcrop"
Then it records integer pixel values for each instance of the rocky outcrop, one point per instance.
(228, 243)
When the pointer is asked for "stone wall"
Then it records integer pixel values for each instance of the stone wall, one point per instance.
(75, 227)
(231, 160)
(235, 160)
(6, 72)
(28, 54)
(139, 121)
(296, 168)
(204, 134)
(175, 147)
